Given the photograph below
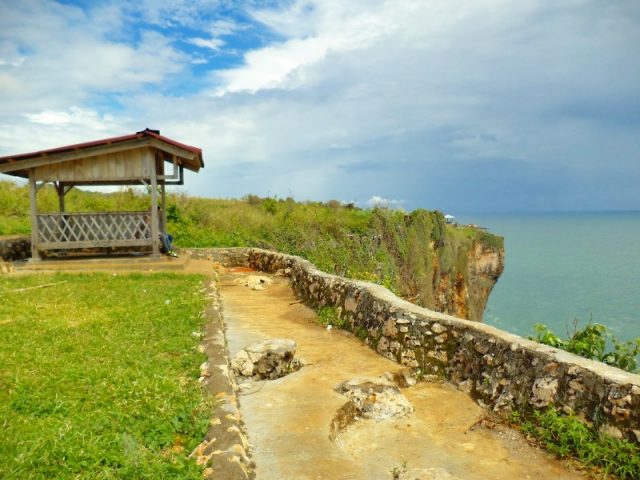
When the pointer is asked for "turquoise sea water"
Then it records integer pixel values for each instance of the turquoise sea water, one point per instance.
(565, 265)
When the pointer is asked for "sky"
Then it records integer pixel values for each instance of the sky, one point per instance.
(456, 105)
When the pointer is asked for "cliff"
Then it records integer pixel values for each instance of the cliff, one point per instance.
(447, 268)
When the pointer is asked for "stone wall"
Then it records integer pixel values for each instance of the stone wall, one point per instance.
(502, 371)
(14, 248)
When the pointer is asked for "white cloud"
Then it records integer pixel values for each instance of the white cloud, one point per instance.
(212, 43)
(75, 116)
(381, 202)
(325, 28)
(66, 56)
(221, 28)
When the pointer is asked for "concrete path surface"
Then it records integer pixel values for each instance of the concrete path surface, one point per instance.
(288, 420)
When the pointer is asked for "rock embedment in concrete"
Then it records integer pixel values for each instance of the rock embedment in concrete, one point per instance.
(375, 398)
(502, 371)
(266, 360)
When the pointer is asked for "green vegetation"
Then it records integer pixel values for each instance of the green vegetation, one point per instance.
(330, 316)
(592, 342)
(413, 254)
(99, 377)
(568, 437)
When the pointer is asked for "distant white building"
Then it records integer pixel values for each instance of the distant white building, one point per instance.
(449, 218)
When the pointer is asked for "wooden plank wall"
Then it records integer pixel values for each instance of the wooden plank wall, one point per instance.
(128, 165)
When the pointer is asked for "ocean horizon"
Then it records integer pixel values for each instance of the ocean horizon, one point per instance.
(563, 266)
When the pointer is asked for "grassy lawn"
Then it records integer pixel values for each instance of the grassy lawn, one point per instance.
(99, 377)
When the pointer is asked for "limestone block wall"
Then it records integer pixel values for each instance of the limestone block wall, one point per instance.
(502, 371)
(14, 248)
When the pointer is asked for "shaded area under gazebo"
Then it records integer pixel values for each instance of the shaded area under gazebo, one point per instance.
(137, 159)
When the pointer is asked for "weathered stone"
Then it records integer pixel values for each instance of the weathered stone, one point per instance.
(439, 355)
(544, 391)
(408, 358)
(383, 345)
(270, 359)
(375, 398)
(442, 338)
(481, 347)
(13, 248)
(389, 328)
(503, 401)
(576, 385)
(437, 328)
(350, 304)
(611, 431)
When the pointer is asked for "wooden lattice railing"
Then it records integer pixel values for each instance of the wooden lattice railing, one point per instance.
(86, 230)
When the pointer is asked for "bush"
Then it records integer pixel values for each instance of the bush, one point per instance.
(591, 342)
(567, 436)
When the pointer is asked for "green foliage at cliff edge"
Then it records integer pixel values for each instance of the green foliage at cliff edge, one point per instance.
(417, 255)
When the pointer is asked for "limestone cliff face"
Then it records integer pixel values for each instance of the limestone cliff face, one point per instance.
(447, 268)
(484, 267)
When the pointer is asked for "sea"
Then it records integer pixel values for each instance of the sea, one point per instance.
(562, 268)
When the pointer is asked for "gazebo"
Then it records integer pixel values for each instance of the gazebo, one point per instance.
(137, 159)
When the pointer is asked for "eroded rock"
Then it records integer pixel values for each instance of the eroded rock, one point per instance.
(544, 391)
(375, 398)
(269, 360)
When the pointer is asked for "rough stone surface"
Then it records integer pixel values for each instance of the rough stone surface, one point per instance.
(503, 371)
(14, 248)
(266, 360)
(375, 398)
(544, 391)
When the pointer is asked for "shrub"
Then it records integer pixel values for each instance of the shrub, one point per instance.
(567, 436)
(591, 342)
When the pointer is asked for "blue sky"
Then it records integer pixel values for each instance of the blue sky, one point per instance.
(459, 105)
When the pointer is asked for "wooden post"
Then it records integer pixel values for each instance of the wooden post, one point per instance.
(155, 234)
(61, 193)
(163, 208)
(33, 196)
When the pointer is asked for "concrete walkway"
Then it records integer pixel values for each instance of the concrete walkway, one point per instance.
(288, 420)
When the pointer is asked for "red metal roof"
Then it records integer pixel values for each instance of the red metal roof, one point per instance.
(107, 141)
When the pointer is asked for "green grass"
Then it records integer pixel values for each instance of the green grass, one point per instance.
(99, 377)
(568, 437)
